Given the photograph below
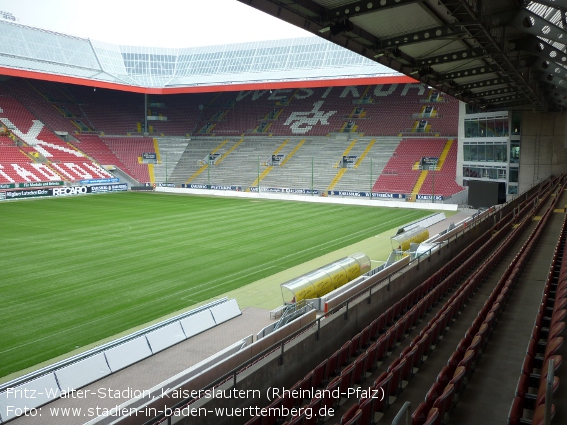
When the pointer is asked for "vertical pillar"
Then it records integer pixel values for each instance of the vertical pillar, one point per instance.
(145, 112)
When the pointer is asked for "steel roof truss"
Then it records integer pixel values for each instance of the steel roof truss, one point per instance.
(544, 50)
(468, 72)
(553, 3)
(363, 7)
(531, 23)
(466, 54)
(496, 81)
(443, 32)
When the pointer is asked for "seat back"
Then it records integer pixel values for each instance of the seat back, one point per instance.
(433, 418)
(419, 415)
(445, 400)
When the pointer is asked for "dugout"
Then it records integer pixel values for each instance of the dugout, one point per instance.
(402, 241)
(325, 279)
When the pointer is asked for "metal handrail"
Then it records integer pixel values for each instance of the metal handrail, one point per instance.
(405, 409)
(549, 392)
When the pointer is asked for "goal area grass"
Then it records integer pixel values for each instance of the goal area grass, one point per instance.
(76, 270)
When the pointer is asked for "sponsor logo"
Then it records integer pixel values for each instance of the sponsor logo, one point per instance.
(429, 197)
(41, 184)
(100, 181)
(284, 190)
(2, 196)
(302, 122)
(108, 188)
(65, 191)
(27, 193)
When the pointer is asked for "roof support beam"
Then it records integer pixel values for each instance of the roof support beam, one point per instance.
(549, 68)
(540, 48)
(493, 41)
(363, 7)
(443, 32)
(494, 92)
(553, 3)
(529, 22)
(468, 72)
(506, 105)
(461, 55)
(496, 81)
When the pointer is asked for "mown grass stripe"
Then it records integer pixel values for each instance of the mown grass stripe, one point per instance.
(79, 269)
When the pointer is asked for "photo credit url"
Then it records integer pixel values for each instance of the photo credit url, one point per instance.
(22, 398)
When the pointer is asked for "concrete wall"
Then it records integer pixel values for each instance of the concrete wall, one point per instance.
(543, 147)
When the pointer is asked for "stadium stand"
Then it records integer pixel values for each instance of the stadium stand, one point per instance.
(358, 112)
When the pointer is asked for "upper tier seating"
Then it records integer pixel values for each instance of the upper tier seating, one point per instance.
(384, 110)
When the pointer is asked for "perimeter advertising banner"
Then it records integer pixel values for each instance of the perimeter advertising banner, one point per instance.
(63, 191)
(285, 190)
(122, 187)
(30, 184)
(429, 197)
(19, 194)
(366, 194)
(212, 186)
(100, 181)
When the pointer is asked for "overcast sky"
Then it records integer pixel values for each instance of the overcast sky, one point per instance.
(160, 23)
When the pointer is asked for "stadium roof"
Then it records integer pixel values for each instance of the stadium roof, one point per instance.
(498, 54)
(31, 52)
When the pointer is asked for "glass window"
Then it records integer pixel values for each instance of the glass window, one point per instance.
(514, 152)
(490, 128)
(501, 127)
(481, 150)
(500, 153)
(512, 190)
(489, 153)
(474, 153)
(467, 153)
(516, 123)
(472, 128)
(513, 178)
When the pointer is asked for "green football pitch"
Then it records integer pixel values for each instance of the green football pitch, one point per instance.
(80, 269)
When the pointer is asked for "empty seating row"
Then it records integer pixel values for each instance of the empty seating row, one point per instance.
(453, 377)
(528, 404)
